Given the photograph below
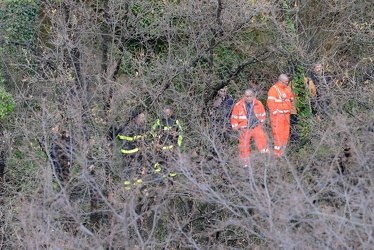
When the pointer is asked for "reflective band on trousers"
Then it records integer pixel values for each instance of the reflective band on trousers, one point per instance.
(131, 151)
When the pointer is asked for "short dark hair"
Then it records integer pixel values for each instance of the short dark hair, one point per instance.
(135, 113)
(317, 64)
(168, 107)
(224, 89)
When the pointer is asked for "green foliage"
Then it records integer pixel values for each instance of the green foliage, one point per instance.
(18, 24)
(18, 18)
(226, 57)
(290, 25)
(149, 13)
(6, 103)
(302, 95)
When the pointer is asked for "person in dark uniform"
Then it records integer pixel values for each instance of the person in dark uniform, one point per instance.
(133, 149)
(220, 115)
(61, 153)
(321, 101)
(167, 132)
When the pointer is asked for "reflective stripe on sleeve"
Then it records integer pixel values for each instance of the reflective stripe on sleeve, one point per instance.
(179, 124)
(278, 100)
(281, 111)
(265, 150)
(180, 140)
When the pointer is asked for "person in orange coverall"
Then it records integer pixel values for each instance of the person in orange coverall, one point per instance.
(280, 101)
(248, 116)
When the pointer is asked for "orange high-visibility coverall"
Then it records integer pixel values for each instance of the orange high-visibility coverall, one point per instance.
(239, 121)
(280, 101)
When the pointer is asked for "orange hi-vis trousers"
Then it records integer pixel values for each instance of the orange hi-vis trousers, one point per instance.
(280, 124)
(259, 137)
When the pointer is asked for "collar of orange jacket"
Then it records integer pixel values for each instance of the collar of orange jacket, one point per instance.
(255, 101)
(281, 85)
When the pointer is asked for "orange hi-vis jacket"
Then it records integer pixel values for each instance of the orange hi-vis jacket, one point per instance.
(280, 99)
(239, 114)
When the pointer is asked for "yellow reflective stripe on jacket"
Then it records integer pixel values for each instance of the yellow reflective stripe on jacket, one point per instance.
(157, 167)
(130, 138)
(171, 127)
(138, 181)
(166, 128)
(130, 151)
(180, 137)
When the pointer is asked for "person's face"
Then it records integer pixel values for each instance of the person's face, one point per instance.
(140, 119)
(222, 92)
(56, 128)
(248, 97)
(285, 81)
(318, 68)
(168, 112)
